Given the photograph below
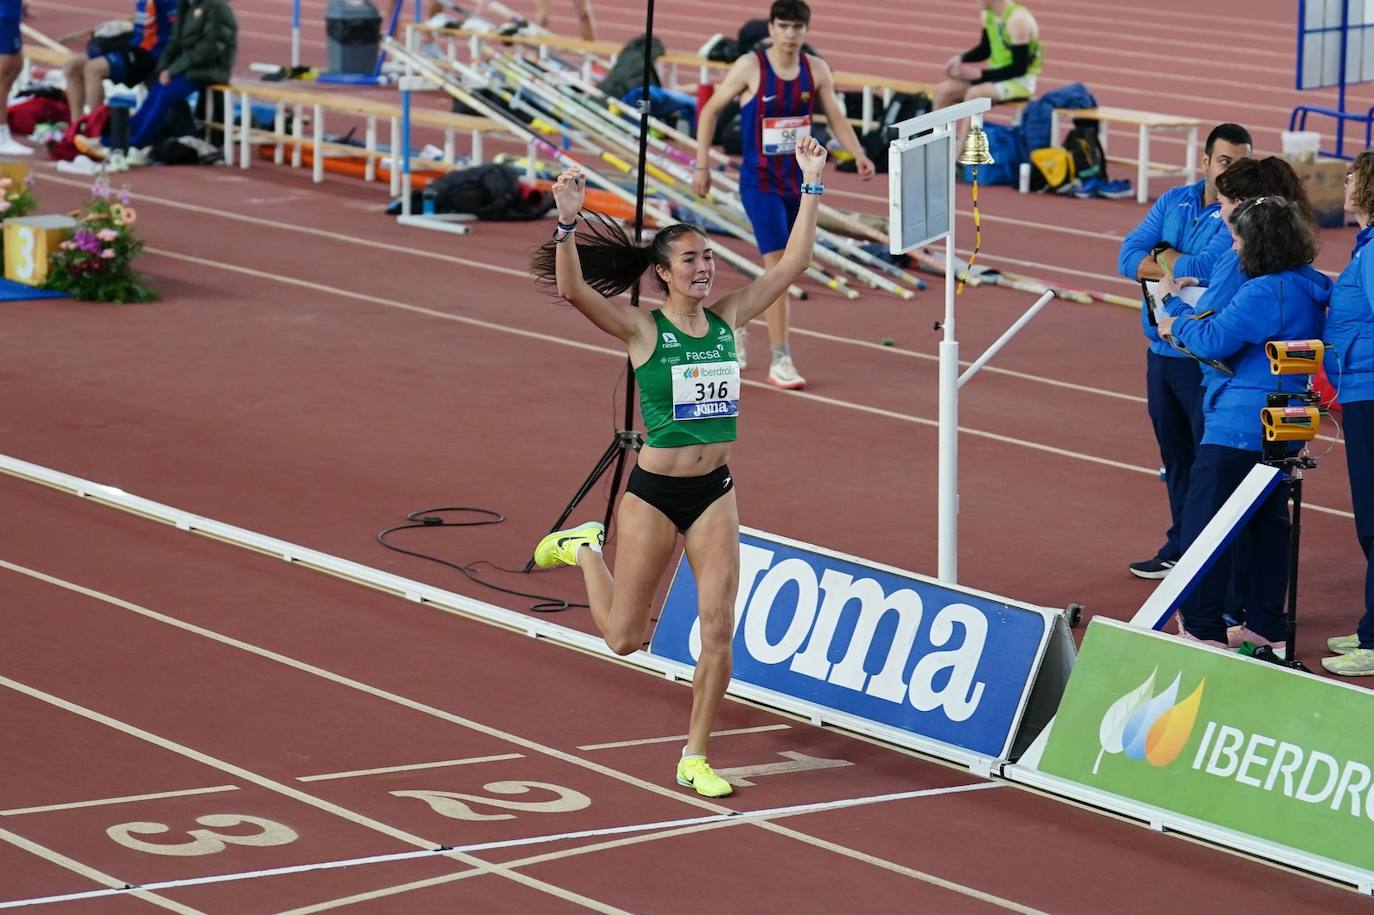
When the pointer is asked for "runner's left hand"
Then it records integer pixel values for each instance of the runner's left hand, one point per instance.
(865, 166)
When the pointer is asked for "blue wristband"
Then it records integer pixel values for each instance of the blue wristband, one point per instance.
(816, 188)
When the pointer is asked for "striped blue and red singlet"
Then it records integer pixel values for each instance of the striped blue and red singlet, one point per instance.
(770, 123)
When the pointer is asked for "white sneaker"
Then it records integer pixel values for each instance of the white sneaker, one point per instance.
(137, 157)
(741, 338)
(783, 374)
(9, 146)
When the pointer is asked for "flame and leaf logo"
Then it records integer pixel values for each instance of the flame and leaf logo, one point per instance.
(1149, 727)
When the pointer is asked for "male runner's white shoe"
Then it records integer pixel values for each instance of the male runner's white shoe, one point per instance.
(783, 374)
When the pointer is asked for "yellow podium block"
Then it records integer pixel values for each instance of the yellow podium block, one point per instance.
(30, 241)
(18, 172)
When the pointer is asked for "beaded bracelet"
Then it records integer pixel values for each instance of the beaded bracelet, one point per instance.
(816, 188)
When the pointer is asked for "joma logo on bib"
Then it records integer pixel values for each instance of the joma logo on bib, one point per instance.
(840, 614)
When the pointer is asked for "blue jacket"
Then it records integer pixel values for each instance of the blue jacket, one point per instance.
(1277, 306)
(1203, 264)
(1226, 280)
(1180, 218)
(1350, 326)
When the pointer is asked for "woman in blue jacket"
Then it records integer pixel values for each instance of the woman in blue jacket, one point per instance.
(1350, 366)
(1218, 268)
(1283, 298)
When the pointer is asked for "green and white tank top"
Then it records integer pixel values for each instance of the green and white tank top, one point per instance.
(689, 388)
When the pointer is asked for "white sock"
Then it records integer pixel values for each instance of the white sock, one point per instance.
(686, 755)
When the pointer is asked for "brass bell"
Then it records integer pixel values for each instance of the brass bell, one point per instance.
(976, 148)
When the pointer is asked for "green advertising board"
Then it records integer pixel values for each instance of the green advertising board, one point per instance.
(1282, 756)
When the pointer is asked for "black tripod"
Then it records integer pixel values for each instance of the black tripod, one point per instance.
(1293, 467)
(626, 439)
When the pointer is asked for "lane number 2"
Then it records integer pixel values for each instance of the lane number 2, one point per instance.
(460, 806)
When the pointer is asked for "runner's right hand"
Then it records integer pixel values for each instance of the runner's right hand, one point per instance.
(701, 182)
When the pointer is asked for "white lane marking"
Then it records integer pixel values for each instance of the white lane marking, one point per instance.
(295, 794)
(527, 743)
(76, 867)
(128, 799)
(619, 354)
(644, 741)
(730, 818)
(479, 265)
(413, 767)
(796, 762)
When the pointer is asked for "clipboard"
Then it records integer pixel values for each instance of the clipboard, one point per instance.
(1153, 312)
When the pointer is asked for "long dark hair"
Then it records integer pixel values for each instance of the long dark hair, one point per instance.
(1273, 234)
(1246, 178)
(611, 261)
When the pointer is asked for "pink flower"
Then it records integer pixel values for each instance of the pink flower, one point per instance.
(67, 246)
(107, 235)
(4, 205)
(107, 253)
(6, 182)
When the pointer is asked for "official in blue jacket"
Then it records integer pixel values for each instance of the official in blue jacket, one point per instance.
(1350, 366)
(1283, 298)
(1180, 225)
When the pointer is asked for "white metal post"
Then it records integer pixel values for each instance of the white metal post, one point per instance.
(944, 122)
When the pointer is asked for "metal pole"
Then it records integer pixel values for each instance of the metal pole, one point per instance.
(295, 33)
(947, 473)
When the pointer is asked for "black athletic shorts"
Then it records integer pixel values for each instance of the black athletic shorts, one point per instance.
(680, 499)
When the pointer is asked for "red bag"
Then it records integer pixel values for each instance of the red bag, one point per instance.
(27, 113)
(91, 125)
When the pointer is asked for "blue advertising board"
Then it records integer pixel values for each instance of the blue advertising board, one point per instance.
(944, 663)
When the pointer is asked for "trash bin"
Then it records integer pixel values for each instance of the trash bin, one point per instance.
(354, 29)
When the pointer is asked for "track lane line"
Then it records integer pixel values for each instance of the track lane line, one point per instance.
(618, 354)
(114, 883)
(128, 799)
(527, 743)
(281, 788)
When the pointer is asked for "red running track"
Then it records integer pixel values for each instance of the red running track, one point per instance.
(314, 372)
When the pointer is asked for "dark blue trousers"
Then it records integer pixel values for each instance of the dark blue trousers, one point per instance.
(1358, 423)
(146, 123)
(1173, 389)
(1257, 559)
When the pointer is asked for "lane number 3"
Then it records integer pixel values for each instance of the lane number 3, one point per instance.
(204, 841)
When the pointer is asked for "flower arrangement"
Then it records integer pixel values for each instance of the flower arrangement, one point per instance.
(96, 264)
(16, 197)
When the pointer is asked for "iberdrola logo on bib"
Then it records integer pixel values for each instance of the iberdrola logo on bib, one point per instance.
(691, 371)
(1149, 727)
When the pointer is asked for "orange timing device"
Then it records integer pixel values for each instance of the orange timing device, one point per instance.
(1291, 424)
(1294, 357)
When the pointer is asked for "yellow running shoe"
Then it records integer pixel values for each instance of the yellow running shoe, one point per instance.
(560, 547)
(694, 772)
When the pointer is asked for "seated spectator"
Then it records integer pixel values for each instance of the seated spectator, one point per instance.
(131, 66)
(1003, 65)
(200, 53)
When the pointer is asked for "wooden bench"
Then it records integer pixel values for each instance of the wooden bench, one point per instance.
(284, 96)
(1146, 123)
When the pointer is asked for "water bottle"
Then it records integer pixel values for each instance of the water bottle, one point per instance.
(1023, 178)
(427, 200)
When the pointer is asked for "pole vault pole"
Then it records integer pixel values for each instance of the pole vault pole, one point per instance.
(441, 77)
